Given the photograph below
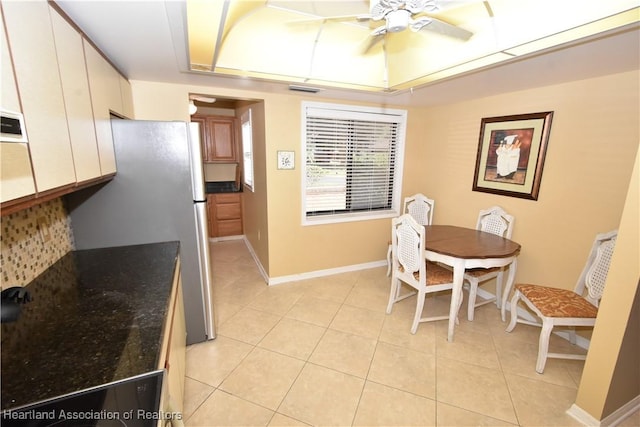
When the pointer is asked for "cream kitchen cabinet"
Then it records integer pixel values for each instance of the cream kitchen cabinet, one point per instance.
(32, 46)
(173, 352)
(16, 175)
(75, 87)
(15, 168)
(66, 91)
(106, 96)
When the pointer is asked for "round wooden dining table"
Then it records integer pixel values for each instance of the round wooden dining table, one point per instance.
(464, 248)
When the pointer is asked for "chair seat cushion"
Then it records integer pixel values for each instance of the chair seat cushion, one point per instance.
(554, 302)
(436, 275)
(478, 272)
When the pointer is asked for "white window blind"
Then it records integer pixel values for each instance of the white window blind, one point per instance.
(352, 159)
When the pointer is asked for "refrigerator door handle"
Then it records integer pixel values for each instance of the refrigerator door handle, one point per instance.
(200, 210)
(195, 152)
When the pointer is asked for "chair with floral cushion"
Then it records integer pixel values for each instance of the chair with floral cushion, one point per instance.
(496, 221)
(409, 265)
(562, 307)
(420, 207)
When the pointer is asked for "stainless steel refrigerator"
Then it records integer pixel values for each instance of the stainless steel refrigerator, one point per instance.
(157, 195)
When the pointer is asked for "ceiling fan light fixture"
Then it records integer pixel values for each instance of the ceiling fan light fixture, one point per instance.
(398, 20)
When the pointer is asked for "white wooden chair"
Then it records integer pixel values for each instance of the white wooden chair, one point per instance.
(410, 266)
(493, 220)
(420, 207)
(562, 307)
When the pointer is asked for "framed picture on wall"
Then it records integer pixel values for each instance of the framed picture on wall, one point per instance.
(511, 154)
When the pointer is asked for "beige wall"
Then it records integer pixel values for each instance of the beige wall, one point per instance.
(288, 245)
(585, 184)
(611, 376)
(294, 249)
(255, 220)
(593, 142)
(594, 138)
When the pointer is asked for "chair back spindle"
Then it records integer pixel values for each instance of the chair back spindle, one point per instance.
(496, 221)
(596, 276)
(420, 207)
(409, 248)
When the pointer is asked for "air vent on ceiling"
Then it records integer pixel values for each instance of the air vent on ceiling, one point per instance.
(307, 89)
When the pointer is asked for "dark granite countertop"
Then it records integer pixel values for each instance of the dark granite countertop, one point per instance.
(222, 187)
(97, 316)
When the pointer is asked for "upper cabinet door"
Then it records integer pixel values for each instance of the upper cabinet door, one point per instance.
(106, 96)
(75, 86)
(9, 92)
(30, 35)
(221, 141)
(16, 177)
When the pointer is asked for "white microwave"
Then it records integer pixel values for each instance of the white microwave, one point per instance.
(12, 127)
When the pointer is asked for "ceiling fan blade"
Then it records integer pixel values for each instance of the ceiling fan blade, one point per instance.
(441, 27)
(445, 5)
(343, 18)
(372, 41)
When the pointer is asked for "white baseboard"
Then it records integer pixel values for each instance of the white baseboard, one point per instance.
(612, 420)
(622, 413)
(582, 416)
(225, 238)
(263, 272)
(308, 275)
(327, 272)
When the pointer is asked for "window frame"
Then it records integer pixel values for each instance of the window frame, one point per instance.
(356, 111)
(246, 118)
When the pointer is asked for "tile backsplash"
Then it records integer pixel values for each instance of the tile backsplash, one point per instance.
(32, 240)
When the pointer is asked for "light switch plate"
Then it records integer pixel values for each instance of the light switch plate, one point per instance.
(286, 159)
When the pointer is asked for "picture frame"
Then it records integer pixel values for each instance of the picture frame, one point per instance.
(286, 160)
(511, 154)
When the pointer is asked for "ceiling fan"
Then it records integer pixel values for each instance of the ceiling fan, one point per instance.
(398, 15)
(402, 14)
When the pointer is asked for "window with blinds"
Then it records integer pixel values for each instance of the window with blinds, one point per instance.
(353, 161)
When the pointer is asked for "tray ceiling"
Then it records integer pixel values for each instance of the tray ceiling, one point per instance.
(292, 41)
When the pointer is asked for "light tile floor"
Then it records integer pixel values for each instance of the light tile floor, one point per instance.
(323, 352)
